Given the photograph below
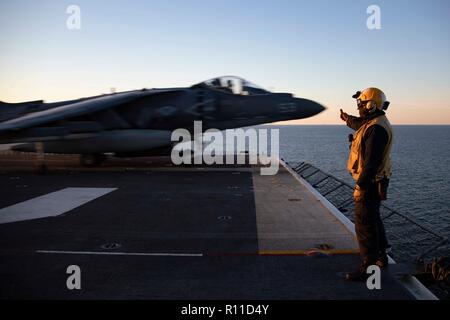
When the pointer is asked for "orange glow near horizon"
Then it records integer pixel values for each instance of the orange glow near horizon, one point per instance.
(292, 47)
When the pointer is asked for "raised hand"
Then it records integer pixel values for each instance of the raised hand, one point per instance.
(344, 116)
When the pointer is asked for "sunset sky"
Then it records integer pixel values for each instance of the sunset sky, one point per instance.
(321, 50)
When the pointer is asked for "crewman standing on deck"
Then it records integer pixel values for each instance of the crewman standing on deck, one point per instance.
(370, 166)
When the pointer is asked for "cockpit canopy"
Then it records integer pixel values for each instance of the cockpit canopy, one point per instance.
(234, 85)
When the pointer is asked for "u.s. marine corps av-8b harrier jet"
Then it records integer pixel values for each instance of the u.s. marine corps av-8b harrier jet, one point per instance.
(136, 123)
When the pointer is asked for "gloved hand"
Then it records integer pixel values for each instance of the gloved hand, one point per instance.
(358, 194)
(344, 116)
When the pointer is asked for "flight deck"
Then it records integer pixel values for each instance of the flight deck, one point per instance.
(146, 229)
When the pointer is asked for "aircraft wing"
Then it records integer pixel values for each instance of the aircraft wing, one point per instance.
(76, 109)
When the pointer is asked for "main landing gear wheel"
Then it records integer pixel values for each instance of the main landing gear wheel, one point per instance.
(92, 160)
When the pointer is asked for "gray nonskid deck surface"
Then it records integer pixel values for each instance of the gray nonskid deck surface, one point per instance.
(216, 277)
(209, 215)
(158, 211)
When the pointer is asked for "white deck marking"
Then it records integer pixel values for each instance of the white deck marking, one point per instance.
(51, 204)
(124, 253)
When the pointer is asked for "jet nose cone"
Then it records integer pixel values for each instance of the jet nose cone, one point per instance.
(308, 108)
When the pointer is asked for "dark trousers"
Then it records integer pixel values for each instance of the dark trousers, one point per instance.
(369, 227)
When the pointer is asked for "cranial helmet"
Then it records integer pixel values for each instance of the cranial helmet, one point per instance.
(371, 99)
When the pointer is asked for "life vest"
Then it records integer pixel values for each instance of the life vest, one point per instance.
(356, 157)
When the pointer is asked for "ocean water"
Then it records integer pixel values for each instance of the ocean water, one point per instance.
(420, 185)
